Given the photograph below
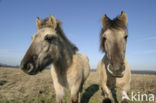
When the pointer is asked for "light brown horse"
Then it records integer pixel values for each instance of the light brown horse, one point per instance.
(113, 69)
(51, 46)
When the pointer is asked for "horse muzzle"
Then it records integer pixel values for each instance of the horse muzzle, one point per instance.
(29, 68)
(116, 73)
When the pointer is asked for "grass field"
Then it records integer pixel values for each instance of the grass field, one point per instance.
(18, 87)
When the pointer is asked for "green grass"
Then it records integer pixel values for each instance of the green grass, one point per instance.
(18, 87)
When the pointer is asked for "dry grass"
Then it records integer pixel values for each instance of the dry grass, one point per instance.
(18, 87)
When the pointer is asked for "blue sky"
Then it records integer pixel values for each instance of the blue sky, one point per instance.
(81, 24)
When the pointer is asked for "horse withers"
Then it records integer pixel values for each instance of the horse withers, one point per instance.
(50, 46)
(113, 68)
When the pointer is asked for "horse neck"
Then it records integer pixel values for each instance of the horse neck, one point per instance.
(65, 60)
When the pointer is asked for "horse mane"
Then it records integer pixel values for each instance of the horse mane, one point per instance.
(60, 32)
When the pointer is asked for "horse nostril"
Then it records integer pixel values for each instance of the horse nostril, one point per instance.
(30, 67)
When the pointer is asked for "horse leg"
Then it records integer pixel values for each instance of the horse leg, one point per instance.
(59, 93)
(80, 90)
(114, 95)
(59, 89)
(75, 93)
(79, 97)
(107, 94)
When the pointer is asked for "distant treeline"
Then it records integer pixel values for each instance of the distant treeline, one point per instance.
(136, 71)
(143, 72)
(5, 65)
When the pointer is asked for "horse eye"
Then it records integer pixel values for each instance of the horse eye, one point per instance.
(50, 38)
(126, 37)
(104, 38)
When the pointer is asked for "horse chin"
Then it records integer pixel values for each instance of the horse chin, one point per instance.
(32, 73)
(118, 76)
(35, 71)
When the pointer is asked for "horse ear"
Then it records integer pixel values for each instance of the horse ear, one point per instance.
(123, 18)
(105, 21)
(38, 22)
(52, 21)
